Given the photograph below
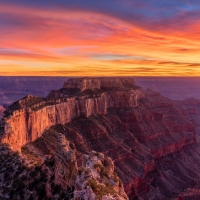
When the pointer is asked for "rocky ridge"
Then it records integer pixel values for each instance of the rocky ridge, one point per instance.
(97, 180)
(27, 119)
(153, 142)
(57, 176)
(65, 164)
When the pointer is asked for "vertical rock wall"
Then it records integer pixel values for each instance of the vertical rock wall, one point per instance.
(28, 123)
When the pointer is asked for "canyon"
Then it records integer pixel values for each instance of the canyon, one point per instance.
(13, 88)
(27, 119)
(152, 141)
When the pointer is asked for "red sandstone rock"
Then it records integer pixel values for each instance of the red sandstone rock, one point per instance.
(153, 145)
(99, 83)
(28, 118)
(97, 179)
(65, 164)
(117, 134)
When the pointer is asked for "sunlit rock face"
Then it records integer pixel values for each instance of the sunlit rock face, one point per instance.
(28, 118)
(99, 83)
(149, 144)
(82, 84)
(152, 141)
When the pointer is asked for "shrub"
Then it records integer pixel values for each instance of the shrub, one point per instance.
(116, 178)
(80, 170)
(100, 190)
(103, 170)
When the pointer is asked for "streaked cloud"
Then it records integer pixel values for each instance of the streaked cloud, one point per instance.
(113, 37)
(116, 57)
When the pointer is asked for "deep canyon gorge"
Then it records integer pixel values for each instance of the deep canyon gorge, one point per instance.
(131, 143)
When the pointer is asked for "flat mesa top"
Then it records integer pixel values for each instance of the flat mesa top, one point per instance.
(99, 83)
(75, 87)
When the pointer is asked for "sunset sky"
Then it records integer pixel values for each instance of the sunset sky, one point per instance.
(100, 37)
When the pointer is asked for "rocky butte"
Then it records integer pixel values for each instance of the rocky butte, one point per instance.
(28, 118)
(91, 125)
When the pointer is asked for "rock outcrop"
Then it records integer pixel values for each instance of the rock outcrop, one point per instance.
(97, 180)
(137, 139)
(82, 84)
(99, 83)
(28, 118)
(65, 164)
(152, 141)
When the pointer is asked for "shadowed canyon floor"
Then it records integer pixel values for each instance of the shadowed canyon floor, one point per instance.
(154, 143)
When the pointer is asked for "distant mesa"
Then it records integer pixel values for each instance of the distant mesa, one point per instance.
(150, 92)
(99, 83)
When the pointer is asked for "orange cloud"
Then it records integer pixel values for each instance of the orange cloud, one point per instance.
(77, 43)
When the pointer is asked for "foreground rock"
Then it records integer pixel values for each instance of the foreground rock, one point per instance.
(29, 177)
(65, 164)
(26, 178)
(97, 180)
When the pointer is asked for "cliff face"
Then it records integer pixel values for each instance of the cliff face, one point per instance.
(58, 177)
(100, 83)
(27, 119)
(144, 142)
(152, 140)
(65, 164)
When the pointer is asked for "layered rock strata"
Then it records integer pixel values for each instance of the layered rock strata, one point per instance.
(152, 142)
(27, 119)
(99, 83)
(65, 164)
(137, 139)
